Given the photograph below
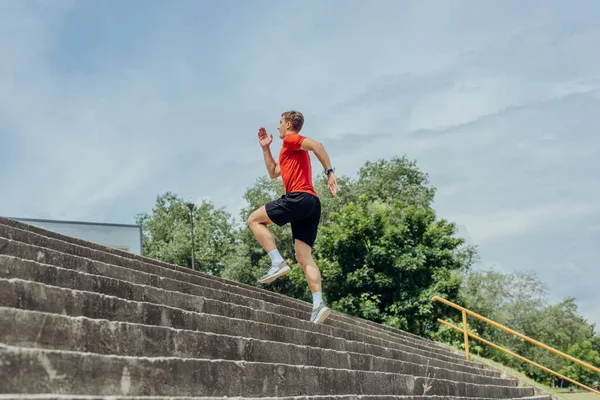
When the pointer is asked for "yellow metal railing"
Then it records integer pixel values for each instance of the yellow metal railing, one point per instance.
(466, 334)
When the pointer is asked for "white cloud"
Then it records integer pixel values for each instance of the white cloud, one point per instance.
(515, 223)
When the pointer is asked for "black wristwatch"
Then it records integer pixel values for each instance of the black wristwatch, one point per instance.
(328, 171)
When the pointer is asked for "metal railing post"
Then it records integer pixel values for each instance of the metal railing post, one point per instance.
(466, 334)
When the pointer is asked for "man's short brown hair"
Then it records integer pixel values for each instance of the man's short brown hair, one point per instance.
(296, 118)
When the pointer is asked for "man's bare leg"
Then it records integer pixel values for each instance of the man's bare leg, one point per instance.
(258, 222)
(313, 278)
(311, 271)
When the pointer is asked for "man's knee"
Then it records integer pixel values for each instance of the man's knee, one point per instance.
(252, 218)
(259, 216)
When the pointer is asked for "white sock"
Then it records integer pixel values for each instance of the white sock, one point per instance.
(317, 299)
(276, 258)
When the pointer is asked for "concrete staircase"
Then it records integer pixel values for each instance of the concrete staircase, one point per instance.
(78, 320)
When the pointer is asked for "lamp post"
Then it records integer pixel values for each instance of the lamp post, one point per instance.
(191, 207)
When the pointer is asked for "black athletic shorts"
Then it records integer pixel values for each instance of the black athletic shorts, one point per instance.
(302, 210)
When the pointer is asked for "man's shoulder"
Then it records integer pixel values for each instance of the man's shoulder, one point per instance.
(293, 141)
(292, 137)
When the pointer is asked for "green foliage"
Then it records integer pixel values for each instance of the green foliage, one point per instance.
(397, 179)
(384, 262)
(455, 338)
(583, 351)
(596, 343)
(509, 299)
(167, 234)
(519, 301)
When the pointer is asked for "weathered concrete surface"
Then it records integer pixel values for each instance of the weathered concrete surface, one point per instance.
(58, 257)
(81, 373)
(36, 236)
(343, 397)
(78, 318)
(70, 279)
(51, 331)
(16, 293)
(31, 252)
(71, 240)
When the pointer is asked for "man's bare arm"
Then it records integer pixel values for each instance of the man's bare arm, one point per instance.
(265, 142)
(272, 166)
(321, 153)
(318, 149)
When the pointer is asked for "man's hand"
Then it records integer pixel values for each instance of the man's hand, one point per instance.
(332, 183)
(263, 138)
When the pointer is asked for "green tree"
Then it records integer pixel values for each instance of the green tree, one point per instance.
(384, 261)
(511, 299)
(167, 236)
(382, 228)
(519, 301)
(559, 326)
(396, 179)
(596, 342)
(582, 351)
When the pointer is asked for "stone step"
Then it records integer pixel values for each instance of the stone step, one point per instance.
(34, 329)
(32, 235)
(51, 371)
(27, 295)
(179, 281)
(343, 397)
(11, 267)
(28, 236)
(81, 264)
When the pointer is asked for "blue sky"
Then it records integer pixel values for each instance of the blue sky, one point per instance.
(106, 104)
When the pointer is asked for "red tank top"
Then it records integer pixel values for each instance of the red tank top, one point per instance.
(295, 167)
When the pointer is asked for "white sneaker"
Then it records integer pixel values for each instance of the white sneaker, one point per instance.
(275, 272)
(320, 314)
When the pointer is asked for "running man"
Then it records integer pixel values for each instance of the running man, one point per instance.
(300, 206)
